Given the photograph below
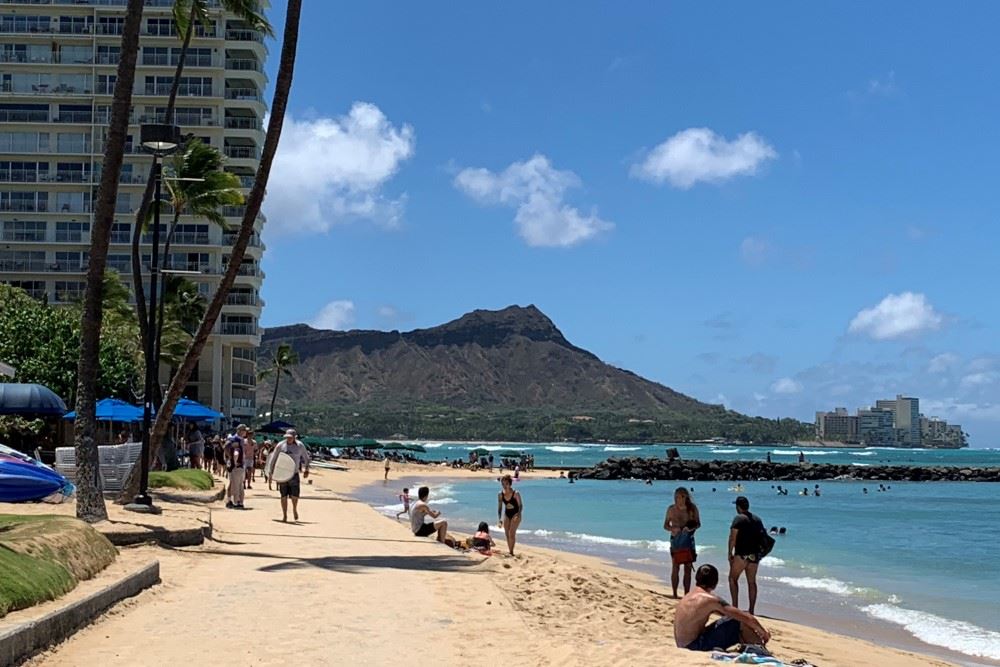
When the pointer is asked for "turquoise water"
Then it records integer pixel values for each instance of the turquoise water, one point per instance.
(919, 561)
(585, 454)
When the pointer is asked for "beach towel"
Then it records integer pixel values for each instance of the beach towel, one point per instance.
(747, 659)
(682, 548)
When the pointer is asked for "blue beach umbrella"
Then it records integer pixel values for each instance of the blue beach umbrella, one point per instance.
(195, 411)
(29, 399)
(113, 410)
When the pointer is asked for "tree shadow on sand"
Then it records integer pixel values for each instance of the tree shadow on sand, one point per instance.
(361, 564)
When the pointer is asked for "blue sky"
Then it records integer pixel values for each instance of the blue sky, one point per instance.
(783, 207)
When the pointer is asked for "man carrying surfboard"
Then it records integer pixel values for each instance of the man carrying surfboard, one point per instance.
(286, 461)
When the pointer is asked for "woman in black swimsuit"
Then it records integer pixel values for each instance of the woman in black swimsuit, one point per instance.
(509, 509)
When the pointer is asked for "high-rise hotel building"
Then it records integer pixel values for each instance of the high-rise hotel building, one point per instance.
(58, 62)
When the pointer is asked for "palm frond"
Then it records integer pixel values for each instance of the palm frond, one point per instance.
(252, 13)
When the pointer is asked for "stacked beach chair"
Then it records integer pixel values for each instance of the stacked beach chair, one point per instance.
(114, 463)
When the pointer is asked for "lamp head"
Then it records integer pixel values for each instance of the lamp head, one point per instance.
(159, 139)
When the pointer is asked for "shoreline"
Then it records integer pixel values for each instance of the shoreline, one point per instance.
(834, 617)
(798, 444)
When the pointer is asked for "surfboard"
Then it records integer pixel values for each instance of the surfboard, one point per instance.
(284, 468)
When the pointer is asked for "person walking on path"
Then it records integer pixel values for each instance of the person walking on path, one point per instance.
(233, 454)
(249, 456)
(386, 466)
(419, 511)
(510, 507)
(196, 447)
(746, 545)
(292, 488)
(681, 522)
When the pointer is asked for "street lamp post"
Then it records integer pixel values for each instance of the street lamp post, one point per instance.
(159, 140)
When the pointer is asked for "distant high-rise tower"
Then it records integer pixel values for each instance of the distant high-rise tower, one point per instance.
(58, 61)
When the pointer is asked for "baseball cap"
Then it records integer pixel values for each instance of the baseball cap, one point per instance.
(290, 432)
(242, 427)
(742, 502)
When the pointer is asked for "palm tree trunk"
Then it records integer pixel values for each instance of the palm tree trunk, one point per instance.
(90, 500)
(274, 396)
(163, 290)
(147, 194)
(279, 102)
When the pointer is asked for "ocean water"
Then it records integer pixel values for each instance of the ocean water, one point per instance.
(917, 565)
(586, 454)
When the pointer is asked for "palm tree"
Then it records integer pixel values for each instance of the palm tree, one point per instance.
(186, 13)
(90, 503)
(198, 187)
(281, 364)
(279, 103)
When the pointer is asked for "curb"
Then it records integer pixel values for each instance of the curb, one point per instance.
(23, 641)
(184, 537)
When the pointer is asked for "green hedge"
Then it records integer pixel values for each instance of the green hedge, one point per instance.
(184, 478)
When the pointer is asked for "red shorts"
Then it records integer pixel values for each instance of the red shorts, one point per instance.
(683, 556)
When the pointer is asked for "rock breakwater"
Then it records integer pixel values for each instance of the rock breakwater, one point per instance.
(708, 471)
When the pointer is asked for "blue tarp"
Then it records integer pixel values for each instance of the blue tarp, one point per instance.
(29, 399)
(114, 410)
(24, 479)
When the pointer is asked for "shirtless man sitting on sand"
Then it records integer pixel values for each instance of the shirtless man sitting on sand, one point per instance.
(691, 628)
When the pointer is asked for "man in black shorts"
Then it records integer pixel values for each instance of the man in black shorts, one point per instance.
(292, 487)
(418, 514)
(745, 546)
(691, 628)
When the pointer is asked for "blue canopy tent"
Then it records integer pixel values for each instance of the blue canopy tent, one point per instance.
(114, 410)
(29, 399)
(195, 411)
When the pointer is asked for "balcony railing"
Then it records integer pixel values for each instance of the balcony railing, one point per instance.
(190, 238)
(233, 211)
(245, 379)
(248, 94)
(244, 64)
(170, 60)
(242, 123)
(242, 299)
(72, 237)
(244, 36)
(16, 116)
(46, 89)
(24, 206)
(121, 237)
(238, 329)
(22, 266)
(246, 152)
(36, 236)
(86, 117)
(184, 90)
(243, 404)
(23, 176)
(229, 239)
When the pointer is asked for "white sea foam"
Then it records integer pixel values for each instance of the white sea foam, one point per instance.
(724, 451)
(563, 449)
(653, 545)
(955, 635)
(614, 448)
(861, 465)
(862, 453)
(834, 586)
(432, 445)
(773, 561)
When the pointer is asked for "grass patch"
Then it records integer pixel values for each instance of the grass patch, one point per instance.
(43, 557)
(184, 478)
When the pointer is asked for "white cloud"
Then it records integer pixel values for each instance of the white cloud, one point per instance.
(755, 251)
(537, 191)
(974, 380)
(897, 316)
(336, 316)
(884, 87)
(942, 363)
(786, 386)
(331, 170)
(698, 154)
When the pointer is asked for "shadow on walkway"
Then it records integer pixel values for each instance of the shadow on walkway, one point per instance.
(358, 564)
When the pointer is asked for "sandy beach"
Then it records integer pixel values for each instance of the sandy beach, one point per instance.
(347, 586)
